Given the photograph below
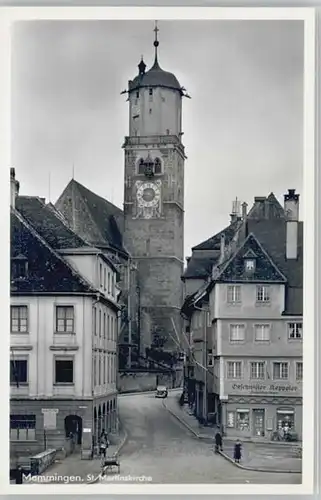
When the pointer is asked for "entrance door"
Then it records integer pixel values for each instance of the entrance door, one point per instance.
(258, 422)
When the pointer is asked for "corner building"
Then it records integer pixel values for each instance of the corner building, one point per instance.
(154, 200)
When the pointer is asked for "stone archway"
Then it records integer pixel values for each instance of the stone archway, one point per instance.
(73, 427)
(99, 422)
(104, 417)
(95, 426)
(108, 416)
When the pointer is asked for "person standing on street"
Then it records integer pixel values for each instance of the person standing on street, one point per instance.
(237, 451)
(218, 441)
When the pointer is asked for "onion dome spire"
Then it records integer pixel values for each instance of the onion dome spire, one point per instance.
(156, 44)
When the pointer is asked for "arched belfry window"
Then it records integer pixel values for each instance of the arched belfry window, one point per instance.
(141, 166)
(149, 166)
(158, 166)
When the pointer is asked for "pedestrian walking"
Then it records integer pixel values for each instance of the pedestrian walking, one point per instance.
(218, 441)
(104, 443)
(237, 451)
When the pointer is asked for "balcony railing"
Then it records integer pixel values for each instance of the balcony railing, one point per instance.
(152, 139)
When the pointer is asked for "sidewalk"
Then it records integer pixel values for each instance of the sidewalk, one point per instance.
(75, 470)
(264, 457)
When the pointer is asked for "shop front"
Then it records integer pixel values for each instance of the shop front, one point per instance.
(262, 418)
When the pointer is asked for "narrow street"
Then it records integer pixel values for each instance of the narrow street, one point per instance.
(158, 446)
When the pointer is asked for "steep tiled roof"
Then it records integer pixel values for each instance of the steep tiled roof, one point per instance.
(214, 241)
(47, 272)
(200, 266)
(47, 222)
(272, 236)
(107, 218)
(266, 208)
(265, 269)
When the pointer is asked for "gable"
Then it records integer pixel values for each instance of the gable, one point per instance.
(47, 271)
(264, 270)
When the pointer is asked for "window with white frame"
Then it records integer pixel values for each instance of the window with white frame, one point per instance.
(280, 371)
(23, 427)
(243, 419)
(234, 294)
(262, 332)
(295, 330)
(108, 282)
(108, 327)
(258, 370)
(18, 371)
(99, 327)
(237, 333)
(65, 319)
(104, 368)
(104, 325)
(249, 265)
(230, 419)
(99, 369)
(299, 371)
(18, 319)
(234, 369)
(105, 278)
(64, 370)
(263, 293)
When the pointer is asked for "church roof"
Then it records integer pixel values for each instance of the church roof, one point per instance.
(93, 218)
(47, 271)
(155, 77)
(48, 223)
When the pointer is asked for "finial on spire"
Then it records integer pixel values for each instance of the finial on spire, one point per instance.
(156, 42)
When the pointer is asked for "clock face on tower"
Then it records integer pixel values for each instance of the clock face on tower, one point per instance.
(148, 194)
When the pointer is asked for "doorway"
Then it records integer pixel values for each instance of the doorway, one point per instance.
(73, 425)
(258, 422)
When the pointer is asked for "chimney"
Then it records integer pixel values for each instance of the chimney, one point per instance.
(235, 211)
(222, 248)
(291, 210)
(14, 188)
(244, 211)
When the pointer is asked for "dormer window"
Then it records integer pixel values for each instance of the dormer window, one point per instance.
(249, 262)
(19, 267)
(249, 265)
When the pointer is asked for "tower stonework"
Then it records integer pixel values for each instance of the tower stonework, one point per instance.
(154, 202)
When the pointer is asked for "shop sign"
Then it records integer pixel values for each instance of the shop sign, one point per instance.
(265, 388)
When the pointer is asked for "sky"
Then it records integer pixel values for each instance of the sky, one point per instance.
(243, 127)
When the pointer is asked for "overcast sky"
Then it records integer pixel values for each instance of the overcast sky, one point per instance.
(243, 127)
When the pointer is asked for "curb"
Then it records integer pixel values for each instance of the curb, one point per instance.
(257, 469)
(118, 449)
(182, 421)
(244, 467)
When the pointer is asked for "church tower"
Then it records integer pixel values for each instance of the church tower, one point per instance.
(154, 201)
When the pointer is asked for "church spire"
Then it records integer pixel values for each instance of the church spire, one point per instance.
(156, 44)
